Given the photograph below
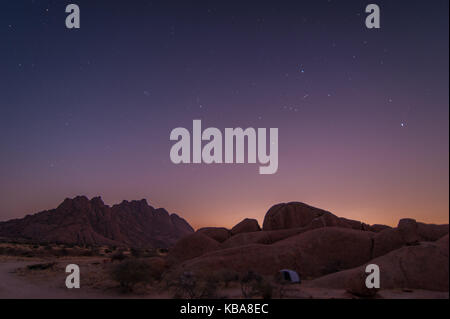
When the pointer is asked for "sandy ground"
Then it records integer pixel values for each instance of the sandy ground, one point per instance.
(18, 282)
(13, 286)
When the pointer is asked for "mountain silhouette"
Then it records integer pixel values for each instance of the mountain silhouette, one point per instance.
(91, 222)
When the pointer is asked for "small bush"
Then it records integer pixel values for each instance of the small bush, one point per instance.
(41, 266)
(87, 253)
(264, 289)
(11, 251)
(207, 288)
(227, 276)
(189, 286)
(162, 251)
(62, 252)
(282, 284)
(151, 253)
(119, 255)
(94, 251)
(186, 285)
(249, 282)
(130, 273)
(137, 253)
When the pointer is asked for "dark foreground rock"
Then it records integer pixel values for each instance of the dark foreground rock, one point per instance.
(424, 266)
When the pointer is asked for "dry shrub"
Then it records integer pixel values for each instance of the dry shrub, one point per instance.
(189, 286)
(119, 255)
(41, 266)
(227, 276)
(253, 284)
(131, 272)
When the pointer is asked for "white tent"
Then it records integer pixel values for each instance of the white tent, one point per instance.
(290, 275)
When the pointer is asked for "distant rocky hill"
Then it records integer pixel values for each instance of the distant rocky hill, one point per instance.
(83, 221)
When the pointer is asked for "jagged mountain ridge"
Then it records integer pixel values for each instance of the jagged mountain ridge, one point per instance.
(83, 221)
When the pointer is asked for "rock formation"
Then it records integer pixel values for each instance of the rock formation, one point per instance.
(91, 222)
(321, 246)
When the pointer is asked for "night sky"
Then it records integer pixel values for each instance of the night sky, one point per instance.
(363, 115)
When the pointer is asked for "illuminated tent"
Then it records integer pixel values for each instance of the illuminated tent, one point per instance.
(290, 275)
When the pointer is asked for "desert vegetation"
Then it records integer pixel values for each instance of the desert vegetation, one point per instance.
(132, 272)
(26, 249)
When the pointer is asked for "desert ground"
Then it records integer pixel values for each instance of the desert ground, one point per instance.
(39, 272)
(329, 254)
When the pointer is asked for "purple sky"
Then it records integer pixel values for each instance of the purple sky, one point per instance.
(362, 114)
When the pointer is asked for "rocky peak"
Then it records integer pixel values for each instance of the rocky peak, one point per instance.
(83, 221)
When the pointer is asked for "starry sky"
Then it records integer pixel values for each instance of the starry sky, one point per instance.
(363, 115)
